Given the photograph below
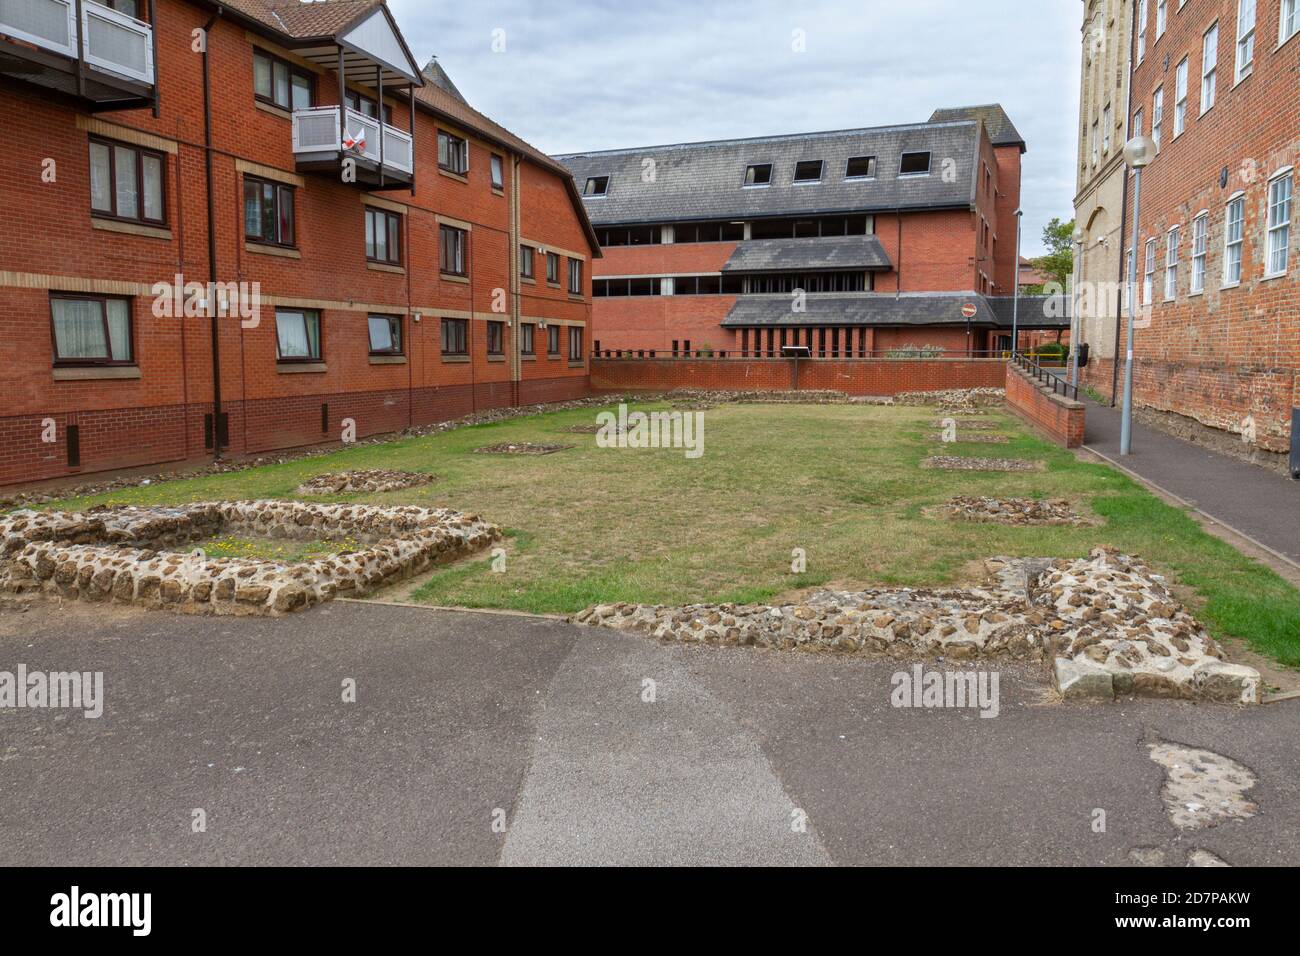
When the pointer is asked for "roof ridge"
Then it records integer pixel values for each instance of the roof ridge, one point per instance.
(768, 138)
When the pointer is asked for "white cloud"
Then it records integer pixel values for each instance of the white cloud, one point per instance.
(596, 74)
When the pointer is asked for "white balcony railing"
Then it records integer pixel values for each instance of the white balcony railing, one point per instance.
(112, 42)
(117, 43)
(317, 135)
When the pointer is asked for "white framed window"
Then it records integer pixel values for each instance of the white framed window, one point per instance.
(1143, 10)
(1157, 115)
(1245, 38)
(1209, 68)
(1289, 20)
(1200, 249)
(1106, 125)
(1142, 30)
(1094, 144)
(1138, 118)
(1149, 273)
(1280, 194)
(1171, 264)
(1162, 17)
(1180, 98)
(1234, 231)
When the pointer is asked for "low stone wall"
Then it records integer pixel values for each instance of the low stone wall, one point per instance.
(1115, 629)
(374, 481)
(1106, 625)
(113, 554)
(1054, 416)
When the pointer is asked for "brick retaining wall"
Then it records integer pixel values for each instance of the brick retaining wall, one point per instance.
(1054, 416)
(852, 376)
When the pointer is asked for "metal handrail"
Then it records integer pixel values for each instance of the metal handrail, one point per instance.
(1057, 383)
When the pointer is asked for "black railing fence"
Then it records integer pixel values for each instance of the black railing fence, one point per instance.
(1057, 383)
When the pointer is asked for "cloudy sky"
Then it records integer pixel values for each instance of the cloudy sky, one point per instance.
(571, 75)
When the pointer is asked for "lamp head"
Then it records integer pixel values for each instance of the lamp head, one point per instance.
(1139, 151)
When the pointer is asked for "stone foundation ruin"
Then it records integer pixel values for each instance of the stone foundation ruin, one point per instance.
(121, 554)
(373, 480)
(1013, 511)
(1106, 625)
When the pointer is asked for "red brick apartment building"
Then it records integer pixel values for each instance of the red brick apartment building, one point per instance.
(1217, 84)
(892, 233)
(414, 262)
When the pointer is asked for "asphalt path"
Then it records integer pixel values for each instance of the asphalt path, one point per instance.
(479, 739)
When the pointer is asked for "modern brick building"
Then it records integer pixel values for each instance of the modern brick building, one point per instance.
(893, 234)
(409, 259)
(1217, 84)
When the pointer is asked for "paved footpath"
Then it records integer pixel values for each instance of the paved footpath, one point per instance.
(1262, 504)
(462, 718)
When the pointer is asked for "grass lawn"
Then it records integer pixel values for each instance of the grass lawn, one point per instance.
(842, 482)
(271, 549)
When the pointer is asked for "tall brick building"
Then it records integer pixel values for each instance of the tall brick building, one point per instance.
(1217, 84)
(891, 233)
(1099, 200)
(410, 259)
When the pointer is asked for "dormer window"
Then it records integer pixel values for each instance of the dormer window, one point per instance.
(915, 164)
(860, 167)
(759, 174)
(596, 186)
(808, 171)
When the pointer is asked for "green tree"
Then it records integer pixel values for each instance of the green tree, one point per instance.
(1058, 264)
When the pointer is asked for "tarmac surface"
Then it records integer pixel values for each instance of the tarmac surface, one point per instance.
(479, 739)
(1259, 503)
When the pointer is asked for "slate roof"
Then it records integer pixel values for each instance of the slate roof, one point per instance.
(1002, 132)
(887, 309)
(826, 253)
(698, 181)
(435, 74)
(1036, 311)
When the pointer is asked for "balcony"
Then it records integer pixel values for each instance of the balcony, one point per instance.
(81, 48)
(319, 136)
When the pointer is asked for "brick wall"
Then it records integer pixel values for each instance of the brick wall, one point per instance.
(158, 415)
(1229, 355)
(1054, 416)
(852, 376)
(931, 251)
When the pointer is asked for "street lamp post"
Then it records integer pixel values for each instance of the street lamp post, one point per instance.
(1078, 236)
(1138, 153)
(1015, 301)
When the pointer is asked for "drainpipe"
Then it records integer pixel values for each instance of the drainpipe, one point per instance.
(212, 234)
(516, 300)
(81, 53)
(153, 40)
(898, 269)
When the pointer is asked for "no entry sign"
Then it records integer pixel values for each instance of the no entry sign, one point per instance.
(969, 310)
